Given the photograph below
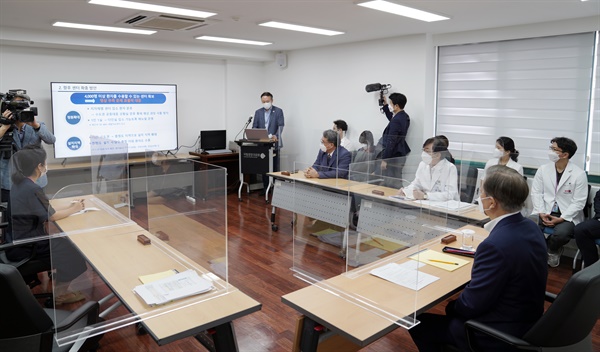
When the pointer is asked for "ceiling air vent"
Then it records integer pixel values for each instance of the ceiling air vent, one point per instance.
(164, 22)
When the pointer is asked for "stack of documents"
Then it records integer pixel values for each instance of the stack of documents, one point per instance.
(450, 205)
(173, 287)
(405, 274)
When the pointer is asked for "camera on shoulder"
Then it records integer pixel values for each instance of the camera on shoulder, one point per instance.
(18, 102)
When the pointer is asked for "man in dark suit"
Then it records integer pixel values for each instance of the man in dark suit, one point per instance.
(332, 161)
(586, 233)
(271, 118)
(393, 142)
(508, 279)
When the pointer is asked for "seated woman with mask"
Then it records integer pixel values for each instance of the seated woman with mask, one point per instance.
(436, 178)
(31, 210)
(505, 154)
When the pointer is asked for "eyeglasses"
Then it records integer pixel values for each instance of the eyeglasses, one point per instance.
(555, 149)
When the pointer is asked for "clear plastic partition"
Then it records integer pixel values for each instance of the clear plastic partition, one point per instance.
(110, 172)
(320, 204)
(384, 252)
(171, 257)
(187, 207)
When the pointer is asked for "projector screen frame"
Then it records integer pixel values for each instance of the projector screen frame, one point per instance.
(168, 90)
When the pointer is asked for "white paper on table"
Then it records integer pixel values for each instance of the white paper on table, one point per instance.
(85, 211)
(181, 285)
(405, 274)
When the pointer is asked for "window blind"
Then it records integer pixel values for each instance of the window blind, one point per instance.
(529, 89)
(594, 152)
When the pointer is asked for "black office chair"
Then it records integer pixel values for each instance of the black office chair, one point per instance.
(32, 265)
(26, 326)
(467, 176)
(565, 326)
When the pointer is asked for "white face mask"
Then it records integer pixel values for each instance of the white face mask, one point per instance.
(427, 159)
(391, 107)
(480, 204)
(553, 156)
(497, 153)
(267, 106)
(323, 148)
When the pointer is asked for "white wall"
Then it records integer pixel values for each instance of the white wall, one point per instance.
(200, 83)
(321, 85)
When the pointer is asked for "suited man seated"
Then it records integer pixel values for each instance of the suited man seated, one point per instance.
(508, 277)
(332, 161)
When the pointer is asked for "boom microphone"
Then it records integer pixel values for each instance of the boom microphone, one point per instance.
(374, 87)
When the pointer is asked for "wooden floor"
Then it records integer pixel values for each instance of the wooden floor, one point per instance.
(259, 265)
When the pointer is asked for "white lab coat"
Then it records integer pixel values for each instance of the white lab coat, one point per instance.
(570, 194)
(511, 163)
(440, 182)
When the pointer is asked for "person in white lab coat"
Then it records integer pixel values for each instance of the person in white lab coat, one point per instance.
(558, 194)
(436, 177)
(505, 154)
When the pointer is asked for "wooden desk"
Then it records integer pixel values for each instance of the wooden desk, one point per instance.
(74, 172)
(117, 256)
(363, 190)
(229, 161)
(352, 319)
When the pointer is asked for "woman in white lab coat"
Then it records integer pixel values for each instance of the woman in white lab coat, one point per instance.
(436, 178)
(505, 154)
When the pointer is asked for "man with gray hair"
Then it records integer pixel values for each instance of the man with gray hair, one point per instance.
(332, 161)
(508, 279)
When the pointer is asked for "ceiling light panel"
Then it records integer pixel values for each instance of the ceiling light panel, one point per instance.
(102, 28)
(401, 10)
(152, 8)
(294, 27)
(232, 40)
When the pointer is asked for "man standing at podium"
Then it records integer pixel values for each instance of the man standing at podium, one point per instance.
(271, 118)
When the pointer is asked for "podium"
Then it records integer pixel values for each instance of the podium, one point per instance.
(255, 157)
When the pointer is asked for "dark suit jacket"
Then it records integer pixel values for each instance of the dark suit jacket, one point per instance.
(393, 140)
(508, 280)
(336, 167)
(276, 122)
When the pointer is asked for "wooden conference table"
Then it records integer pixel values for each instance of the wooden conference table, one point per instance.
(296, 185)
(352, 318)
(110, 245)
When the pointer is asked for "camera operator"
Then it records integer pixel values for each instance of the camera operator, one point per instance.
(17, 134)
(393, 141)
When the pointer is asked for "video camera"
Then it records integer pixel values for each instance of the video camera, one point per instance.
(381, 87)
(21, 109)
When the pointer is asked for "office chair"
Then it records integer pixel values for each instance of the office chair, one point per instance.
(26, 326)
(565, 326)
(467, 176)
(32, 265)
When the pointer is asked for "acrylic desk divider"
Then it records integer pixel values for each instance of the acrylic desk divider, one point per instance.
(102, 254)
(357, 238)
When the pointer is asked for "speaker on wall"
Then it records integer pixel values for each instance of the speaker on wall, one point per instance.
(281, 60)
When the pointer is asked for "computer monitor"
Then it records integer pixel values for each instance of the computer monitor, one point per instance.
(213, 140)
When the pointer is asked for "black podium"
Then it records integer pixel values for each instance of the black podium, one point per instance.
(256, 157)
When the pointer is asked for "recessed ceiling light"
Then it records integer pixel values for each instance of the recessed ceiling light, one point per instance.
(102, 28)
(232, 40)
(294, 27)
(152, 8)
(401, 10)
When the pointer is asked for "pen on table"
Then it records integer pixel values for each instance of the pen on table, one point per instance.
(441, 261)
(375, 240)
